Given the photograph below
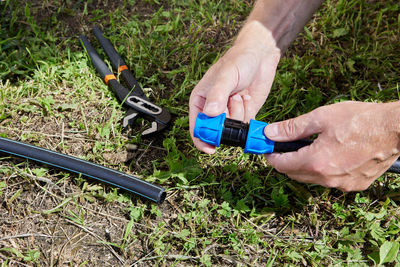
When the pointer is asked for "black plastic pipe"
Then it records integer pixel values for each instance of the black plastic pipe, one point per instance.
(92, 170)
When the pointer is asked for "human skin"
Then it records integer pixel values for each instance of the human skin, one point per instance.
(240, 81)
(356, 141)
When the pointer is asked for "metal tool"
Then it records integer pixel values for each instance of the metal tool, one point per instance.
(134, 98)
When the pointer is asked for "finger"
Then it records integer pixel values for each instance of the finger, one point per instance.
(250, 110)
(280, 161)
(206, 148)
(292, 162)
(218, 95)
(293, 169)
(303, 178)
(196, 104)
(236, 108)
(259, 88)
(294, 129)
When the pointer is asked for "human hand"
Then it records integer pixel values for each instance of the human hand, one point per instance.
(357, 142)
(239, 82)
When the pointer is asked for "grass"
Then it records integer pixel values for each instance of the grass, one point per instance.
(225, 209)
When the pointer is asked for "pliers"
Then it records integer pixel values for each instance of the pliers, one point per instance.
(134, 99)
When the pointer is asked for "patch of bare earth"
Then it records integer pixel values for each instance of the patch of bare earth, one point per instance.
(51, 212)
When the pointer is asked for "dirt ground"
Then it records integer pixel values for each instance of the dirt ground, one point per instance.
(52, 216)
(59, 238)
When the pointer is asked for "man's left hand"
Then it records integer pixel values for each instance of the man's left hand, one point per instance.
(357, 142)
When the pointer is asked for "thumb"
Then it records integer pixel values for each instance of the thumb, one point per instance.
(294, 129)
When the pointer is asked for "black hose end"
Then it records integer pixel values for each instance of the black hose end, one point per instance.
(161, 197)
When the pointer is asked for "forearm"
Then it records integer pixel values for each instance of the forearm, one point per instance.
(277, 22)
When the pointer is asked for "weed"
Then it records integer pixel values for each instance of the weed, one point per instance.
(223, 209)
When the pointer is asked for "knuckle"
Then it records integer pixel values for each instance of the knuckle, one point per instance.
(319, 113)
(354, 183)
(331, 183)
(318, 167)
(279, 169)
(289, 127)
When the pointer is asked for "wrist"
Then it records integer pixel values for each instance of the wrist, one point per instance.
(256, 33)
(255, 36)
(283, 19)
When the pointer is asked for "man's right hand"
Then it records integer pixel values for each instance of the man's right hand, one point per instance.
(239, 82)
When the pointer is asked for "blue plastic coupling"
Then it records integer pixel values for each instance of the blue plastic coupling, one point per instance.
(221, 130)
(257, 142)
(209, 129)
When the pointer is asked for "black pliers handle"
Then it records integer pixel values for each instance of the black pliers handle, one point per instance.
(134, 99)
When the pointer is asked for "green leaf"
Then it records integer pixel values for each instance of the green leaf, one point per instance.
(280, 198)
(40, 171)
(190, 244)
(388, 252)
(371, 215)
(14, 251)
(155, 210)
(203, 203)
(357, 237)
(340, 32)
(136, 213)
(181, 177)
(361, 200)
(128, 229)
(294, 256)
(58, 207)
(67, 107)
(105, 131)
(241, 206)
(226, 210)
(206, 260)
(15, 196)
(123, 198)
(377, 232)
(27, 11)
(374, 256)
(350, 65)
(32, 255)
(184, 233)
(2, 185)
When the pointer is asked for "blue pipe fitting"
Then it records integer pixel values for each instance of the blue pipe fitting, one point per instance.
(209, 129)
(221, 130)
(257, 142)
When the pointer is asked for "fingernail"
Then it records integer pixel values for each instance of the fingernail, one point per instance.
(271, 130)
(210, 108)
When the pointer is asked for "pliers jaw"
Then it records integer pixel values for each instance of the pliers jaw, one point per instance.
(135, 100)
(158, 124)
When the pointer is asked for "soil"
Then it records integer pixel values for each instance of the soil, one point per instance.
(67, 224)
